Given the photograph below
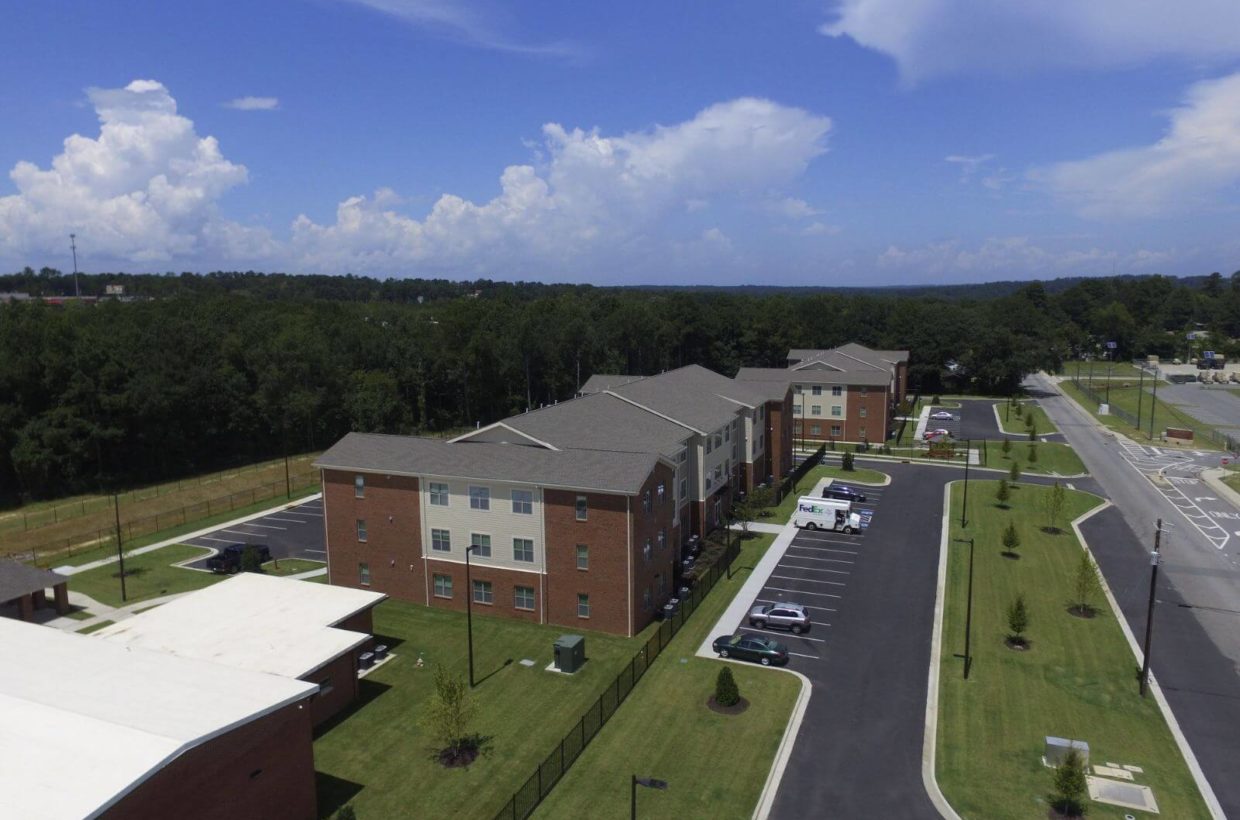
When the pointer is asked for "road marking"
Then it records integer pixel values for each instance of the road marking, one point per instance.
(826, 549)
(285, 520)
(209, 538)
(825, 539)
(800, 592)
(815, 569)
(262, 526)
(809, 580)
(323, 552)
(309, 515)
(782, 632)
(830, 560)
(800, 655)
(807, 606)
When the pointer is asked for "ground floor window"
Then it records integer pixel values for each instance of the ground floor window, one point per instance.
(483, 594)
(443, 586)
(836, 431)
(523, 597)
(815, 430)
(583, 606)
(363, 573)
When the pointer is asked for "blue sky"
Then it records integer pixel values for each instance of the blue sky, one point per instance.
(832, 143)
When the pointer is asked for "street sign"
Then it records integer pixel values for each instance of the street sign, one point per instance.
(1209, 354)
(1111, 345)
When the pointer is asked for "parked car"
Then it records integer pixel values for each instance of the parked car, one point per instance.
(942, 415)
(787, 616)
(939, 433)
(843, 493)
(751, 648)
(228, 559)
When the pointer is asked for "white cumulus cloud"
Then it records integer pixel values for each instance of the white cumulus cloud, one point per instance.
(144, 190)
(254, 103)
(1188, 168)
(927, 38)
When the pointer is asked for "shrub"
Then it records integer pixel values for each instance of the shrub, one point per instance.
(1070, 786)
(1017, 620)
(1033, 431)
(251, 560)
(726, 692)
(936, 400)
(1033, 454)
(1011, 538)
(848, 462)
(1002, 493)
(1014, 473)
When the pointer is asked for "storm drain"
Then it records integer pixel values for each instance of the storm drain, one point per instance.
(1117, 793)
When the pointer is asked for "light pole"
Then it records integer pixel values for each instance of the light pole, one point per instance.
(1153, 409)
(649, 783)
(968, 612)
(1140, 395)
(469, 612)
(120, 556)
(73, 245)
(1155, 557)
(965, 504)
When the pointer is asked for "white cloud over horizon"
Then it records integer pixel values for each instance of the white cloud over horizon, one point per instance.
(931, 38)
(1015, 257)
(1197, 159)
(253, 103)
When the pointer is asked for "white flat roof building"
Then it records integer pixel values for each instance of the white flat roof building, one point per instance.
(254, 622)
(84, 722)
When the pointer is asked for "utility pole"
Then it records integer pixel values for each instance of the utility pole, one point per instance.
(1153, 408)
(968, 616)
(1140, 395)
(1155, 558)
(73, 246)
(116, 506)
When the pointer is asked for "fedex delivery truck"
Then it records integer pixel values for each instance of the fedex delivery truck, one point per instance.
(826, 514)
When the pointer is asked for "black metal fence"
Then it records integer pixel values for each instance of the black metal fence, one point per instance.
(1217, 437)
(789, 483)
(543, 779)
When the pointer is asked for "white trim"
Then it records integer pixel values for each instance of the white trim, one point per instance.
(491, 479)
(526, 436)
(656, 413)
(628, 524)
(326, 542)
(542, 536)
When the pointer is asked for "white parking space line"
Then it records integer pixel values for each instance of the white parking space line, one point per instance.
(239, 532)
(789, 634)
(802, 592)
(286, 520)
(815, 569)
(322, 552)
(262, 526)
(298, 512)
(209, 538)
(814, 548)
(809, 580)
(800, 655)
(824, 560)
(807, 606)
(820, 539)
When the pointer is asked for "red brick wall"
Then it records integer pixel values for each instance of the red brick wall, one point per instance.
(361, 622)
(503, 588)
(342, 676)
(259, 771)
(876, 404)
(392, 510)
(662, 561)
(605, 532)
(779, 436)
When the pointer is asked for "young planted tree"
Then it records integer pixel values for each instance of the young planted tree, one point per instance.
(1014, 473)
(1070, 786)
(847, 464)
(1011, 540)
(1053, 502)
(744, 511)
(1002, 493)
(1018, 622)
(1033, 430)
(761, 499)
(726, 691)
(1086, 587)
(448, 720)
(1007, 445)
(1033, 454)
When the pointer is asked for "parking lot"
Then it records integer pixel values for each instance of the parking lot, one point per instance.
(296, 532)
(972, 420)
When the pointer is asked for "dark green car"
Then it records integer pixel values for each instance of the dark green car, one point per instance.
(751, 648)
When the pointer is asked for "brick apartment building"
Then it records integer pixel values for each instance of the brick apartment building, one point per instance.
(573, 514)
(845, 394)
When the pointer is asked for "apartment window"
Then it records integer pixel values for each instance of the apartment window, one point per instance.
(708, 439)
(861, 432)
(815, 429)
(483, 593)
(865, 391)
(658, 586)
(646, 501)
(837, 390)
(709, 482)
(479, 498)
(439, 495)
(481, 544)
(443, 586)
(361, 529)
(646, 601)
(817, 390)
(662, 539)
(583, 605)
(735, 451)
(718, 440)
(727, 433)
(862, 412)
(583, 557)
(836, 410)
(441, 540)
(583, 509)
(522, 502)
(363, 574)
(835, 430)
(523, 549)
(359, 486)
(661, 492)
(646, 550)
(761, 441)
(684, 488)
(684, 456)
(718, 473)
(523, 597)
(796, 409)
(815, 410)
(761, 413)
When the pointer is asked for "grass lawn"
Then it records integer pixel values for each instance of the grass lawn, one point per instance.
(1232, 479)
(715, 764)
(860, 476)
(1166, 415)
(1018, 426)
(291, 566)
(1054, 458)
(149, 575)
(86, 630)
(378, 757)
(1077, 681)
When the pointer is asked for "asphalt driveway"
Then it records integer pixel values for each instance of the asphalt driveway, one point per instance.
(296, 532)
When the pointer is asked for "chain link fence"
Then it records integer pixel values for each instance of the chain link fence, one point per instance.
(1200, 430)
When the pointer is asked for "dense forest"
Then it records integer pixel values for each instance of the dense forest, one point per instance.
(195, 372)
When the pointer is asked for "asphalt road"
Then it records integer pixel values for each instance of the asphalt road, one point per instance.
(293, 533)
(858, 753)
(1197, 569)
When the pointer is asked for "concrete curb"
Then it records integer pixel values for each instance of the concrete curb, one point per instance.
(930, 738)
(766, 801)
(1207, 793)
(103, 562)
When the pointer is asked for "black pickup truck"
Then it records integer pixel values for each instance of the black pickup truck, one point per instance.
(228, 559)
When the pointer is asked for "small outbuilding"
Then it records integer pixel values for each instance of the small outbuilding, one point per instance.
(23, 589)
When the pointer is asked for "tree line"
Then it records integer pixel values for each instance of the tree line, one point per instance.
(200, 372)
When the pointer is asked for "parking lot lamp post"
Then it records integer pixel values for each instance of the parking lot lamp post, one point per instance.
(648, 782)
(469, 612)
(1155, 558)
(968, 443)
(968, 612)
(120, 556)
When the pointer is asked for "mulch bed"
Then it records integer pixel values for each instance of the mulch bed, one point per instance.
(1016, 646)
(1085, 613)
(741, 705)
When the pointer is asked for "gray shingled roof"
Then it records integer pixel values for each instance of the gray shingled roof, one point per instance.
(17, 579)
(602, 382)
(602, 422)
(691, 395)
(601, 470)
(875, 358)
(860, 378)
